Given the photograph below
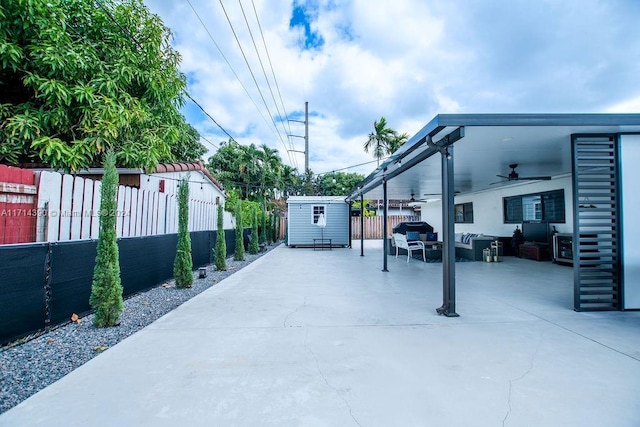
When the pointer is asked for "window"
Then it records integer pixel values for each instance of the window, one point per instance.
(531, 208)
(316, 210)
(463, 213)
(547, 206)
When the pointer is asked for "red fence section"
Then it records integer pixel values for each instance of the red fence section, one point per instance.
(18, 213)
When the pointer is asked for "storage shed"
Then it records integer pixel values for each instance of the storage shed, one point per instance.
(306, 214)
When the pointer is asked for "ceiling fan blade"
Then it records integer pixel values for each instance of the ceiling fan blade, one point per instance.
(502, 176)
(535, 178)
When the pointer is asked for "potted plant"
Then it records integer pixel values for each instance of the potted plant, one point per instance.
(517, 240)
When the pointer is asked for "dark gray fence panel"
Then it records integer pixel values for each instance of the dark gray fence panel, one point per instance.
(146, 261)
(71, 277)
(22, 294)
(201, 244)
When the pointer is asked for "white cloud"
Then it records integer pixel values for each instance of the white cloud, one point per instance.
(631, 105)
(406, 60)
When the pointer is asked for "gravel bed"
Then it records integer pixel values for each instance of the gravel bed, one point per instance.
(28, 367)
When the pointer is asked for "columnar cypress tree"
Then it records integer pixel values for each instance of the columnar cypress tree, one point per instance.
(106, 289)
(263, 224)
(183, 263)
(254, 246)
(239, 252)
(274, 228)
(269, 229)
(220, 255)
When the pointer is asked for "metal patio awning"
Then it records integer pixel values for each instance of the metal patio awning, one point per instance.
(486, 144)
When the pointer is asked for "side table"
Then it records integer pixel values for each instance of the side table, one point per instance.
(538, 252)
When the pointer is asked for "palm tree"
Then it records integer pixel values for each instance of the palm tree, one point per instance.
(290, 180)
(397, 142)
(271, 176)
(381, 139)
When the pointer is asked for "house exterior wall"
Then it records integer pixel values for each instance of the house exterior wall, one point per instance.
(488, 216)
(301, 230)
(200, 188)
(630, 176)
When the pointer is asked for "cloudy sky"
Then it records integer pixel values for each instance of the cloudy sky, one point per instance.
(407, 60)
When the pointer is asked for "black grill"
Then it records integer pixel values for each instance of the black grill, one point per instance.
(419, 226)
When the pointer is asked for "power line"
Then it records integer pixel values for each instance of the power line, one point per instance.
(275, 80)
(210, 143)
(209, 115)
(264, 72)
(232, 69)
(226, 60)
(124, 30)
(351, 167)
(130, 36)
(235, 35)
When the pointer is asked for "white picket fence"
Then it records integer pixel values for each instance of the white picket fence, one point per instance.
(69, 209)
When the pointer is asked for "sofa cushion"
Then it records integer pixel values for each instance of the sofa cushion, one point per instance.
(413, 236)
(458, 237)
(466, 239)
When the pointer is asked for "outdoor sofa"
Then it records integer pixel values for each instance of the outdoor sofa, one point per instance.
(471, 245)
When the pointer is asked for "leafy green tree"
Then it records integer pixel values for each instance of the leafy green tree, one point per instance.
(290, 181)
(308, 187)
(232, 200)
(367, 211)
(106, 289)
(183, 262)
(383, 140)
(254, 245)
(271, 176)
(78, 77)
(220, 255)
(254, 172)
(337, 183)
(239, 252)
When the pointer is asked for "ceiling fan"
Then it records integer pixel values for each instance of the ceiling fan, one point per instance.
(413, 201)
(513, 176)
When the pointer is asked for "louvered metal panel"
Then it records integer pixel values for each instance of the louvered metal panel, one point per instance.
(596, 255)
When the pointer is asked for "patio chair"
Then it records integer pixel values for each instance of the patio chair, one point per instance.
(410, 246)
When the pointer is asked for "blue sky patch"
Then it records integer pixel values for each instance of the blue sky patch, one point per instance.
(301, 16)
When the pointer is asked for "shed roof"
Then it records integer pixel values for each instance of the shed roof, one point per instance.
(316, 199)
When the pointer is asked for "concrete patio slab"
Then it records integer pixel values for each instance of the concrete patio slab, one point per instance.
(324, 338)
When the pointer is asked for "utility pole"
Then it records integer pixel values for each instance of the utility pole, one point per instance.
(306, 136)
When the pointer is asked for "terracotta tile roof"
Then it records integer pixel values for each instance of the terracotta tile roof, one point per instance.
(188, 166)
